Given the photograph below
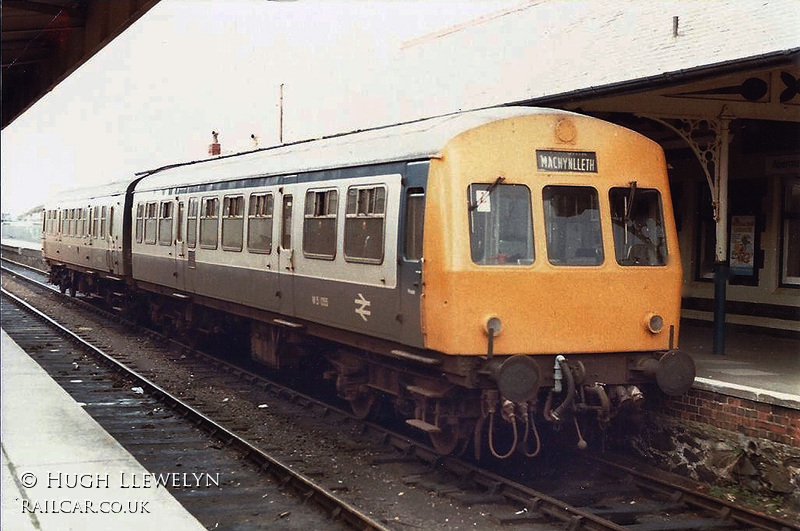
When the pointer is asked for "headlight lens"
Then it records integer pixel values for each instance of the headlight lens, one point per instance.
(654, 323)
(494, 325)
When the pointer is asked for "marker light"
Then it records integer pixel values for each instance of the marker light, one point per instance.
(654, 323)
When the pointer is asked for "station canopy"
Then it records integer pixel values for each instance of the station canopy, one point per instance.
(44, 41)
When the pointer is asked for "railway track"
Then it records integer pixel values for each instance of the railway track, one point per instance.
(161, 431)
(615, 498)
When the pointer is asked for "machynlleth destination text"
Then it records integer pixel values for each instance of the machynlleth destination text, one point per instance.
(572, 161)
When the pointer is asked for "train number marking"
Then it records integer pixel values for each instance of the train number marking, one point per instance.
(316, 300)
(362, 304)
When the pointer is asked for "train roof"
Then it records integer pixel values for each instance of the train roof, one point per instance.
(88, 192)
(417, 140)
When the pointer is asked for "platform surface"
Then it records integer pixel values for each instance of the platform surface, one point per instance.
(22, 244)
(61, 470)
(755, 366)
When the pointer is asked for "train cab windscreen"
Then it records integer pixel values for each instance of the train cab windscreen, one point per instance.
(572, 222)
(500, 224)
(639, 237)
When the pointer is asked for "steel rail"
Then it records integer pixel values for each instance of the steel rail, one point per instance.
(336, 508)
(726, 510)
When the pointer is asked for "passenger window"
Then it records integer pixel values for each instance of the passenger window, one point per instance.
(110, 222)
(209, 223)
(319, 225)
(415, 216)
(572, 222)
(103, 223)
(500, 224)
(232, 223)
(139, 222)
(150, 223)
(364, 224)
(638, 226)
(191, 223)
(259, 223)
(165, 224)
(286, 222)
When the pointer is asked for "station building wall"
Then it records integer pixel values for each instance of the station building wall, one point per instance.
(764, 228)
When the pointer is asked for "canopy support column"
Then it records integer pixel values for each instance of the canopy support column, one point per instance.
(709, 139)
(721, 266)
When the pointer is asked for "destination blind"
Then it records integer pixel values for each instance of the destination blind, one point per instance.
(570, 161)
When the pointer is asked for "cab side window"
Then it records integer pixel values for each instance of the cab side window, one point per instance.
(415, 216)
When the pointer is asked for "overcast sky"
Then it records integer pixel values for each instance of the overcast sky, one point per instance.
(154, 95)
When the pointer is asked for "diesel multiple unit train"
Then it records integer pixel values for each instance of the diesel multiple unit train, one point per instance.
(479, 272)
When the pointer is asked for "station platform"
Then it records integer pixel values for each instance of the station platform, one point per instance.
(756, 366)
(21, 244)
(60, 469)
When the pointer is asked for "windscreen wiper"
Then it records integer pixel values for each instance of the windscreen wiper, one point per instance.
(629, 206)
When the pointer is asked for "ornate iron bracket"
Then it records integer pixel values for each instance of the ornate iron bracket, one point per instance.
(703, 137)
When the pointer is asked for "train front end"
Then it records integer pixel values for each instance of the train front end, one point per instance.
(551, 253)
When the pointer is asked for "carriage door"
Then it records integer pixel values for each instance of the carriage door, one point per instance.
(286, 251)
(411, 265)
(179, 246)
(187, 262)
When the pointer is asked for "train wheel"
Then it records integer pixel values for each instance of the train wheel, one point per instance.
(447, 441)
(362, 405)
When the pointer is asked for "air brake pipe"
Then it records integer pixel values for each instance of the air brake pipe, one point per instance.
(555, 416)
(529, 418)
(508, 410)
